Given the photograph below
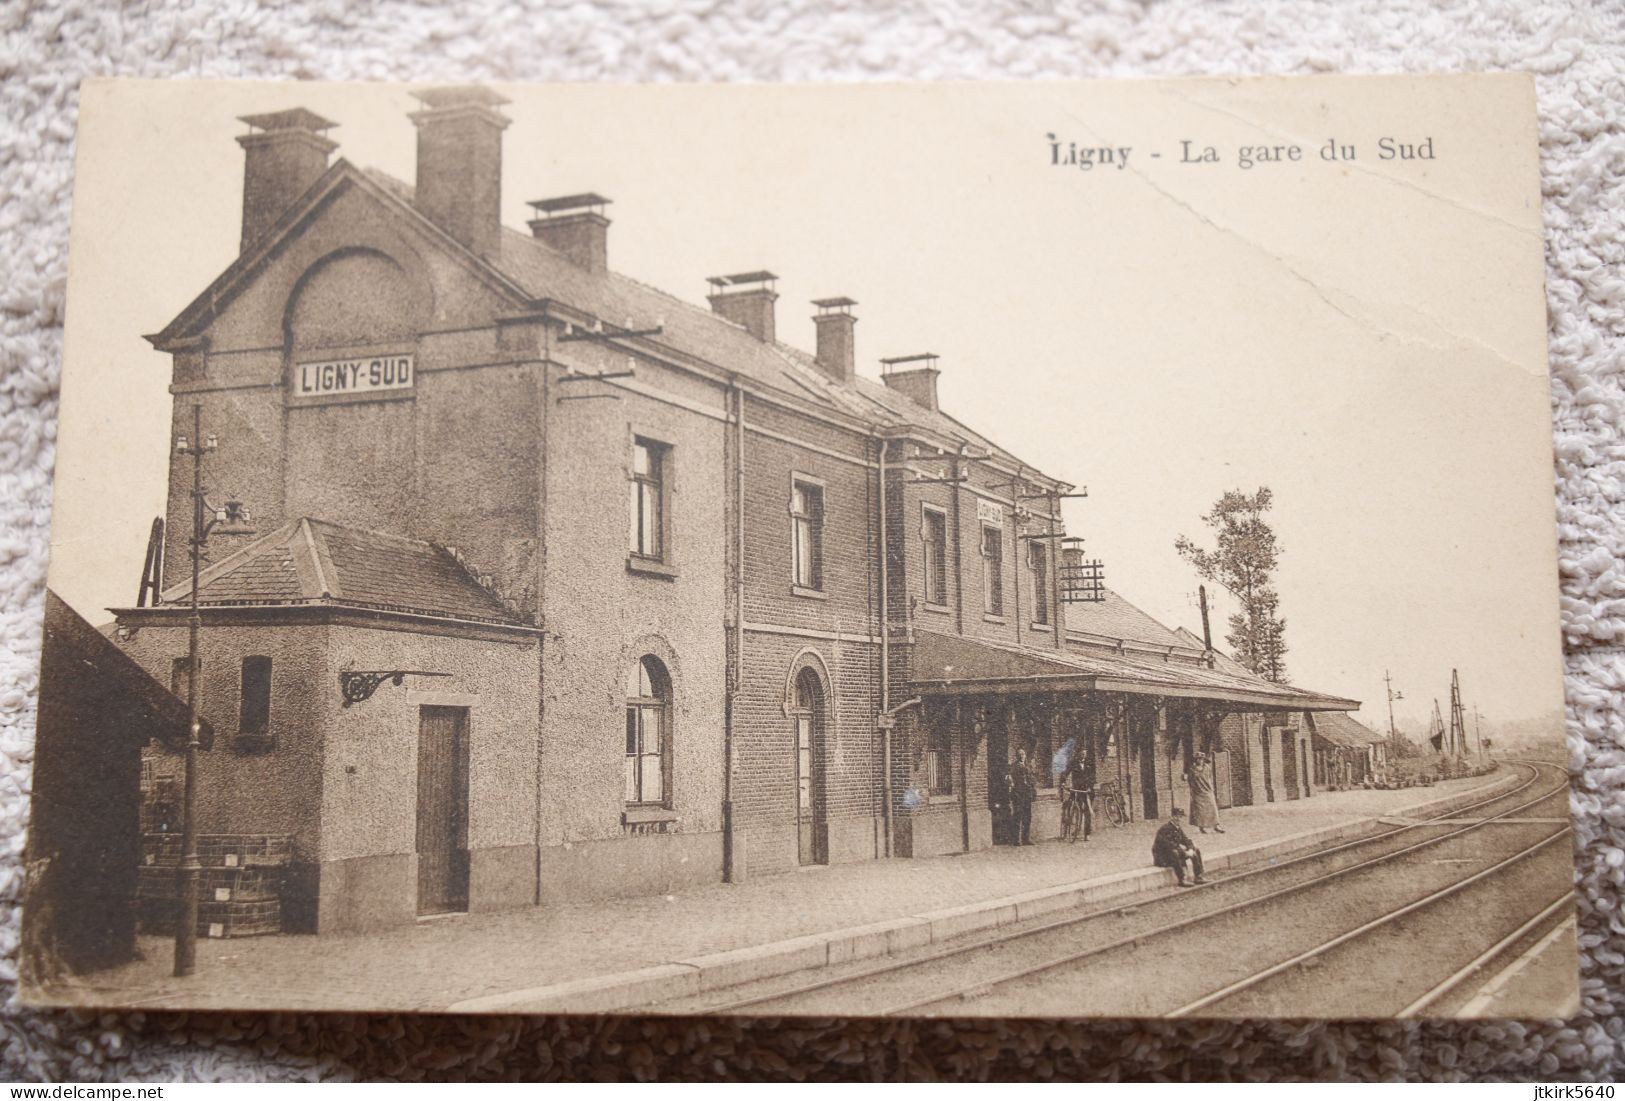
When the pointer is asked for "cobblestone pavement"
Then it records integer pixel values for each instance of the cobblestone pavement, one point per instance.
(435, 963)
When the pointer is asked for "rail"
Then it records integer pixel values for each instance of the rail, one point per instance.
(1006, 936)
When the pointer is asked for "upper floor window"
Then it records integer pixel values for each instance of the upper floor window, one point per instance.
(992, 569)
(807, 534)
(647, 512)
(254, 711)
(1038, 562)
(648, 737)
(934, 531)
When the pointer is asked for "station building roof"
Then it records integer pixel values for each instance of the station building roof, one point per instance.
(532, 272)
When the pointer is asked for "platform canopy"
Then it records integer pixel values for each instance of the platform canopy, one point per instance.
(974, 667)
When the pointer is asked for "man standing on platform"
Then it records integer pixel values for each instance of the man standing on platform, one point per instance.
(1022, 790)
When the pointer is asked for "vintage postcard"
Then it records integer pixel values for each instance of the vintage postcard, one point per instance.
(1049, 549)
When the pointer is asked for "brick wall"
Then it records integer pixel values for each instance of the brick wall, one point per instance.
(765, 791)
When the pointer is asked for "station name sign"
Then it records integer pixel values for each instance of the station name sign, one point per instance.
(364, 374)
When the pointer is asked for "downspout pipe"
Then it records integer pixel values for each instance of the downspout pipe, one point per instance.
(885, 658)
(730, 872)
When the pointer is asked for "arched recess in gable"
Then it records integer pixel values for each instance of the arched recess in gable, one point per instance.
(355, 298)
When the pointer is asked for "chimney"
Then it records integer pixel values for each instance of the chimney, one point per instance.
(574, 225)
(459, 183)
(836, 354)
(284, 153)
(746, 299)
(916, 383)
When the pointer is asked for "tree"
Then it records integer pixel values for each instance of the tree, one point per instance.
(1243, 562)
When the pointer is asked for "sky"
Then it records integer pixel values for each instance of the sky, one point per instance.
(1365, 337)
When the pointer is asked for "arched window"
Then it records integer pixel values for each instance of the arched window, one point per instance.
(648, 733)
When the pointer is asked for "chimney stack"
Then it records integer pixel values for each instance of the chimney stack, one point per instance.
(916, 383)
(836, 352)
(746, 299)
(574, 225)
(284, 153)
(459, 182)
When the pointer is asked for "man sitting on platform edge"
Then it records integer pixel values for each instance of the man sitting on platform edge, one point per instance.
(1173, 848)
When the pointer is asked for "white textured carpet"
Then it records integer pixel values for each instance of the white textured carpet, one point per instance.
(1578, 53)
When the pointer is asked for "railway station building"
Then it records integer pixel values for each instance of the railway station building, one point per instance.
(563, 588)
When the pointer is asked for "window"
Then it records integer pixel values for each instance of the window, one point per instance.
(939, 759)
(934, 531)
(647, 511)
(179, 680)
(254, 713)
(807, 534)
(992, 570)
(1038, 561)
(648, 734)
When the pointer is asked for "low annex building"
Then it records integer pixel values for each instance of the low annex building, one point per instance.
(566, 588)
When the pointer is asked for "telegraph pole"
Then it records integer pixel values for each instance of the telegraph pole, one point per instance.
(187, 873)
(233, 520)
(1393, 731)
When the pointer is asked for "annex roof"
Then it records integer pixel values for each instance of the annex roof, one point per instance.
(115, 679)
(980, 666)
(307, 561)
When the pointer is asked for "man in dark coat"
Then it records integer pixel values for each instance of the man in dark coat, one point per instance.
(1173, 849)
(1023, 787)
(1079, 794)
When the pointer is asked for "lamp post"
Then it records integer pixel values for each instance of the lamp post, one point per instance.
(232, 519)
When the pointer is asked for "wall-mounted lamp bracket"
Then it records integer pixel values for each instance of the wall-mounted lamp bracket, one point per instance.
(358, 685)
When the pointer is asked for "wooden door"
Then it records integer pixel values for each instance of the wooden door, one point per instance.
(442, 842)
(1222, 776)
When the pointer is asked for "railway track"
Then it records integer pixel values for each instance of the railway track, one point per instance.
(966, 974)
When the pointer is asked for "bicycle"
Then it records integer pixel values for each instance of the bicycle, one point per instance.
(1109, 798)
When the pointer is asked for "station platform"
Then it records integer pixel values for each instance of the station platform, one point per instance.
(621, 954)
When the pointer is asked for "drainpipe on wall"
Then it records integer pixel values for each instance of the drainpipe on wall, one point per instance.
(1016, 551)
(885, 659)
(545, 392)
(736, 673)
(736, 666)
(1052, 578)
(959, 548)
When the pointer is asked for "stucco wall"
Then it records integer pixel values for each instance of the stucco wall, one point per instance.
(274, 792)
(453, 460)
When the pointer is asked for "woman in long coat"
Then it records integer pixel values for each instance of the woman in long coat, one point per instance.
(1204, 807)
